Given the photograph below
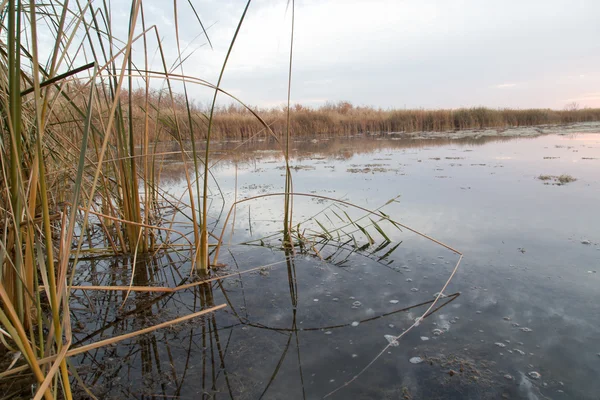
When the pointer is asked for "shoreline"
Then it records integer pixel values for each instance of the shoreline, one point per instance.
(521, 131)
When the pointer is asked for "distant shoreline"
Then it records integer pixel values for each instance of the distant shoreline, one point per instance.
(236, 122)
(344, 119)
(521, 131)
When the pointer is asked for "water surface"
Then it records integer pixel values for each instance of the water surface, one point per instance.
(525, 298)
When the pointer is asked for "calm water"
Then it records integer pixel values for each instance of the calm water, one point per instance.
(525, 297)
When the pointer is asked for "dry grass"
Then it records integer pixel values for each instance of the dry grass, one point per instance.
(345, 119)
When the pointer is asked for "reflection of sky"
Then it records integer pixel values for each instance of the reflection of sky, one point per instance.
(444, 196)
(481, 199)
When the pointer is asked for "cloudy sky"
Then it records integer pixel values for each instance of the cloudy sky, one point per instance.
(395, 53)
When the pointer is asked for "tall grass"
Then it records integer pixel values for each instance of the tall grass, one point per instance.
(236, 122)
(79, 128)
(76, 155)
(345, 119)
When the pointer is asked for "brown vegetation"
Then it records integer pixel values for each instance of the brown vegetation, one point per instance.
(235, 122)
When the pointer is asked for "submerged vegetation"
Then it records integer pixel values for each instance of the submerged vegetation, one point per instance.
(558, 180)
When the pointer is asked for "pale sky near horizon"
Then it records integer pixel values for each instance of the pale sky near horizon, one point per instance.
(394, 54)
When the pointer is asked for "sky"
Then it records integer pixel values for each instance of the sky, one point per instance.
(391, 53)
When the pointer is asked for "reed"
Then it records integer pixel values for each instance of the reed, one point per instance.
(342, 119)
(79, 132)
(76, 155)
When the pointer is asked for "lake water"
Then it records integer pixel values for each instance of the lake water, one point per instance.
(525, 298)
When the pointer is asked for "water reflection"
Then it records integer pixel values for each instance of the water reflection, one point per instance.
(214, 355)
(334, 148)
(276, 341)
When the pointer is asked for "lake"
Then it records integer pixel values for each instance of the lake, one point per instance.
(520, 319)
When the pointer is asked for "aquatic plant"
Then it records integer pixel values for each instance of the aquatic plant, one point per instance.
(565, 178)
(69, 166)
(236, 122)
(81, 174)
(558, 180)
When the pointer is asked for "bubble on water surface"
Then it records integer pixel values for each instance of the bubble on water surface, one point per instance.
(534, 375)
(391, 340)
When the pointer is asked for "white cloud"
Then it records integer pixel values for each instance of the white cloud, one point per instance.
(390, 53)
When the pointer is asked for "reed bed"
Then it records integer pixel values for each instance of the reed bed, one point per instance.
(80, 174)
(343, 119)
